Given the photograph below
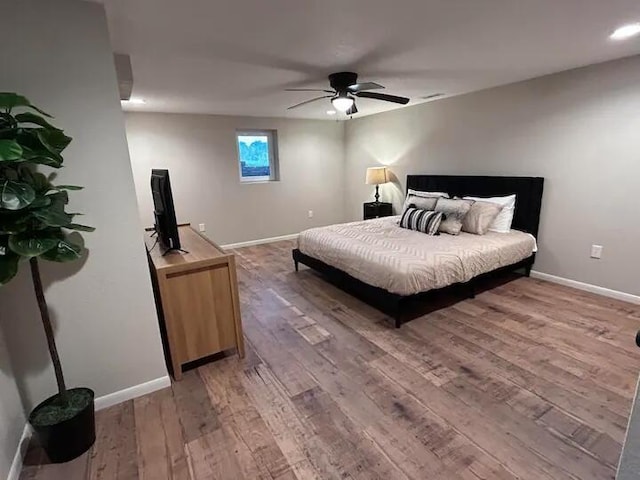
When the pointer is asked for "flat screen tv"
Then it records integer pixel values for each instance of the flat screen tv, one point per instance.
(166, 225)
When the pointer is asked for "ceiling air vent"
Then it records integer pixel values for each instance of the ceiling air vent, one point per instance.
(433, 95)
(125, 75)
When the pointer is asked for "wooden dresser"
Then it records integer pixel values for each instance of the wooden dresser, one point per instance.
(197, 298)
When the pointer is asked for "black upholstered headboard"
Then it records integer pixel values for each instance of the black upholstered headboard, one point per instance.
(528, 192)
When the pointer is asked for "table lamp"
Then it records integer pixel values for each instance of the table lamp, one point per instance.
(376, 176)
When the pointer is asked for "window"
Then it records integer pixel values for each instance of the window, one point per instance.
(257, 155)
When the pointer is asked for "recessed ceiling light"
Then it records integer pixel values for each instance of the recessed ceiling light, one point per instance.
(626, 31)
(331, 112)
(134, 101)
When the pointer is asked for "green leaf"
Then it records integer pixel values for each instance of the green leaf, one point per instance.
(10, 151)
(43, 137)
(38, 181)
(80, 228)
(10, 100)
(8, 133)
(8, 266)
(40, 202)
(30, 244)
(10, 174)
(53, 216)
(29, 117)
(8, 126)
(43, 160)
(15, 195)
(67, 187)
(64, 251)
(31, 140)
(59, 197)
(55, 139)
(13, 223)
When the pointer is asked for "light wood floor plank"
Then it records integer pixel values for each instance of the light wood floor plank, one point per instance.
(528, 381)
(490, 363)
(114, 455)
(237, 410)
(160, 438)
(37, 468)
(526, 357)
(214, 456)
(295, 437)
(197, 415)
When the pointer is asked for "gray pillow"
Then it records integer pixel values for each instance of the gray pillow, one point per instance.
(454, 212)
(423, 203)
(413, 194)
(480, 217)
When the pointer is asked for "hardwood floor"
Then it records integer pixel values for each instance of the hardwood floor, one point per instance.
(528, 380)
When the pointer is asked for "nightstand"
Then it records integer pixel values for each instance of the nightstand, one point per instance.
(377, 210)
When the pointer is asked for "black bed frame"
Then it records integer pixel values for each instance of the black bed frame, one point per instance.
(526, 218)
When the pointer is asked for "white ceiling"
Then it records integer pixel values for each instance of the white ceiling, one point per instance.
(237, 56)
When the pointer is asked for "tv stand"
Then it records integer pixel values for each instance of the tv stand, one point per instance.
(169, 250)
(197, 300)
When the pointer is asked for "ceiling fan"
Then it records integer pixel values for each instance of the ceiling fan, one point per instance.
(344, 89)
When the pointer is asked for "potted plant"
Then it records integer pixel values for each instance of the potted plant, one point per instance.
(34, 225)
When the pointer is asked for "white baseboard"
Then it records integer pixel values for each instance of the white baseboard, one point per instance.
(16, 465)
(587, 287)
(250, 243)
(130, 393)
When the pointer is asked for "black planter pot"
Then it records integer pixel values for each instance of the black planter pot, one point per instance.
(70, 438)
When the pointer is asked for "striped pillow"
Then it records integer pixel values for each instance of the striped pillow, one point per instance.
(424, 221)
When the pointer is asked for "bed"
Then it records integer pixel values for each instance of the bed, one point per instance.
(391, 268)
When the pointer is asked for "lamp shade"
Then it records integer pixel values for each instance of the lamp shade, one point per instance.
(376, 176)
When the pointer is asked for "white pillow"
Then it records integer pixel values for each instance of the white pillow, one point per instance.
(418, 193)
(503, 221)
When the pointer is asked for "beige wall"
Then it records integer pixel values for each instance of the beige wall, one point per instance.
(104, 314)
(200, 153)
(12, 418)
(578, 129)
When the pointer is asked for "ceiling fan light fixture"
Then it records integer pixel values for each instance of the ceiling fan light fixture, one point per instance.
(342, 102)
(344, 91)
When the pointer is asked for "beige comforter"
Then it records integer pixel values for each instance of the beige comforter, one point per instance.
(380, 253)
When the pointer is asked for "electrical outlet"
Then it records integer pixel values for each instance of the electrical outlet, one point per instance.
(596, 251)
(202, 227)
(310, 214)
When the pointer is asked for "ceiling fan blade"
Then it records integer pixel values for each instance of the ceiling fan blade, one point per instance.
(383, 96)
(353, 110)
(307, 90)
(359, 87)
(309, 101)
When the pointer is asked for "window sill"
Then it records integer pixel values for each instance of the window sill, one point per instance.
(259, 182)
